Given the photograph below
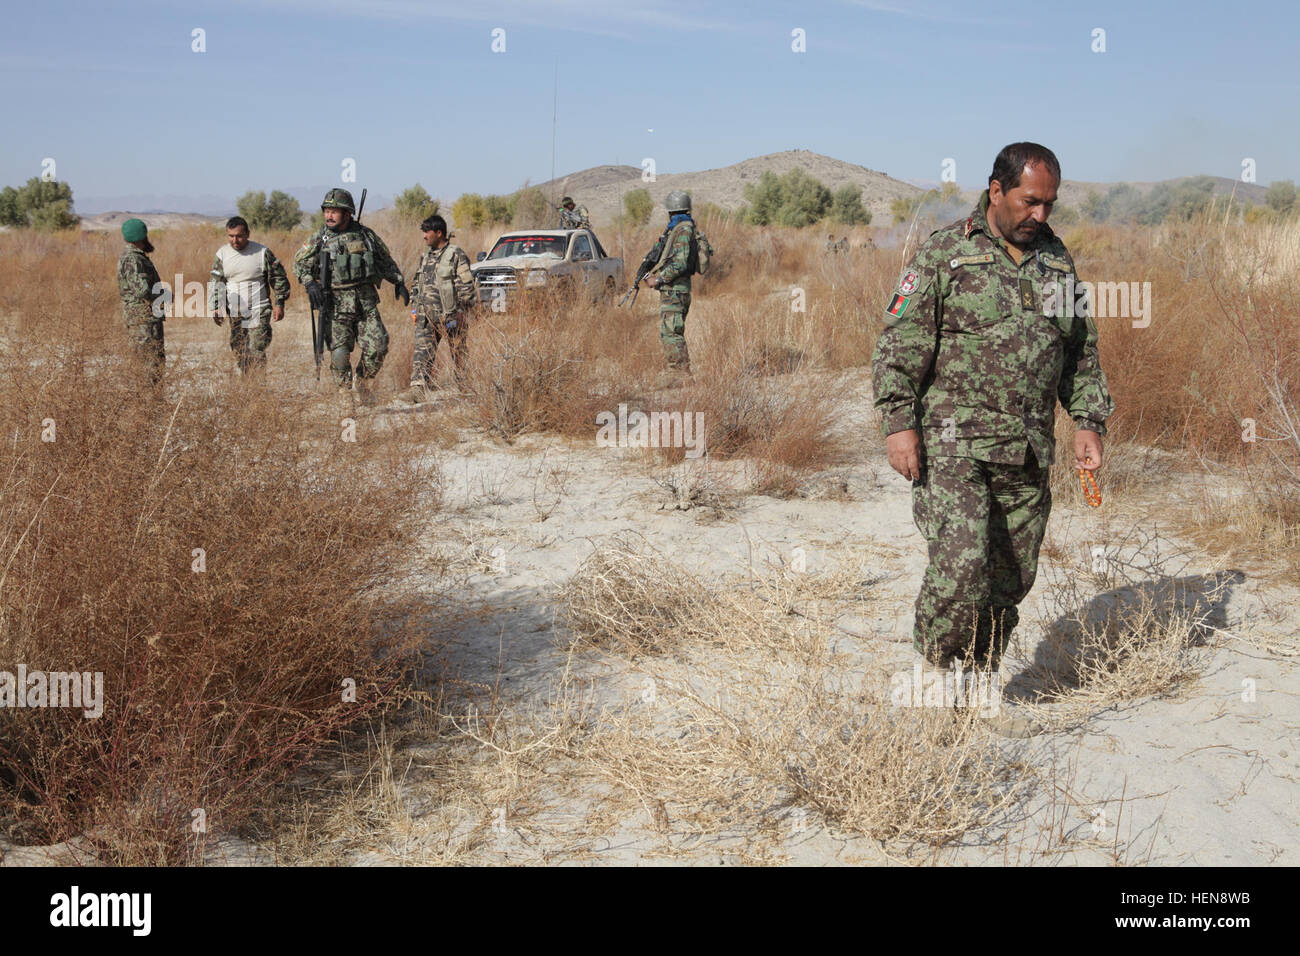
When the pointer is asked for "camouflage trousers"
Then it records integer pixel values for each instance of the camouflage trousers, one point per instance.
(983, 524)
(147, 340)
(673, 306)
(356, 322)
(427, 336)
(250, 345)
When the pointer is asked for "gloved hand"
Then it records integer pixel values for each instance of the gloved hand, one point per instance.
(450, 322)
(315, 294)
(400, 292)
(216, 317)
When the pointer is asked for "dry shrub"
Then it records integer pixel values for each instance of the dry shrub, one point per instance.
(223, 669)
(616, 600)
(1137, 628)
(535, 369)
(776, 716)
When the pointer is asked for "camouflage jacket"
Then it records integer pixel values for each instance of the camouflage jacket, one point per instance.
(574, 219)
(976, 350)
(672, 254)
(137, 284)
(259, 285)
(357, 257)
(443, 282)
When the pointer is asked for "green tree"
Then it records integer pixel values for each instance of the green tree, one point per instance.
(10, 215)
(637, 207)
(1281, 197)
(497, 209)
(415, 204)
(469, 210)
(280, 211)
(847, 208)
(40, 204)
(53, 216)
(795, 199)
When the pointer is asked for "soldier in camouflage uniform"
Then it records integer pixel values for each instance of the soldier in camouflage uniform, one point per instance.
(444, 295)
(674, 259)
(571, 218)
(140, 288)
(356, 262)
(249, 282)
(975, 353)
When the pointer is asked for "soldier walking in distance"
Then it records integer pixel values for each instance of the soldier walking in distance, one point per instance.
(139, 287)
(248, 280)
(355, 261)
(670, 265)
(444, 295)
(571, 217)
(977, 349)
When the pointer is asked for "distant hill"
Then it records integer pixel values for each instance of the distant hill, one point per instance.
(600, 188)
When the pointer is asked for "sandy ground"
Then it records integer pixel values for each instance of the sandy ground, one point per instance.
(1206, 775)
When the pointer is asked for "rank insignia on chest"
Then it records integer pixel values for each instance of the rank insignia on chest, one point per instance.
(1026, 295)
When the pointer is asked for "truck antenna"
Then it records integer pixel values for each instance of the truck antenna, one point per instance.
(555, 99)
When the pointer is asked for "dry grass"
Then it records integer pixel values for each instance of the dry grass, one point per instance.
(1125, 622)
(751, 713)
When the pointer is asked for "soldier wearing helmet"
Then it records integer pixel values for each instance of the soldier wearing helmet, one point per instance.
(341, 268)
(669, 266)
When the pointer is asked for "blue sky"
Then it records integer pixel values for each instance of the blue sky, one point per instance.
(287, 89)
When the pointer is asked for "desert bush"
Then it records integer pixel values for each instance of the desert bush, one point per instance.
(220, 556)
(278, 211)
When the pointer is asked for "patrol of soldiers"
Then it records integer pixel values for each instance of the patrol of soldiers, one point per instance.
(444, 295)
(966, 375)
(250, 284)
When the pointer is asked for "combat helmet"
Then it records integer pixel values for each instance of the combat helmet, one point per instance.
(678, 201)
(339, 199)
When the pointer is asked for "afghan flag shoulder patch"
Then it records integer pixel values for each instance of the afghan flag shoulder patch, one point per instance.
(898, 305)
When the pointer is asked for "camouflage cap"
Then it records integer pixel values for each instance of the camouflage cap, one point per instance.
(678, 201)
(134, 230)
(339, 199)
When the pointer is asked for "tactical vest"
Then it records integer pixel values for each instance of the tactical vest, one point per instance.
(351, 258)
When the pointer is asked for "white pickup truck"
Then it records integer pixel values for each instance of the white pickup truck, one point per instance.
(568, 262)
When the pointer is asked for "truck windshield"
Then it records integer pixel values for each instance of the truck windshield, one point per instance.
(528, 246)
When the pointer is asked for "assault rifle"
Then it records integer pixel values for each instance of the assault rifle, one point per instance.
(649, 264)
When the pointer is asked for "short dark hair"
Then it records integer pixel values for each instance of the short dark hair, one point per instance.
(234, 222)
(1013, 159)
(434, 224)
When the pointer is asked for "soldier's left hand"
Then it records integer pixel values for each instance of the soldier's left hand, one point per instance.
(400, 292)
(653, 282)
(277, 312)
(218, 319)
(1087, 450)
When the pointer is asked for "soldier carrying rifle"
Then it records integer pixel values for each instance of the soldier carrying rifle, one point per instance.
(341, 268)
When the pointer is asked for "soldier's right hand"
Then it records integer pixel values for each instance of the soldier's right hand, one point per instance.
(315, 294)
(905, 453)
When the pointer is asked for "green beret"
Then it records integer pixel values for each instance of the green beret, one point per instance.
(134, 230)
